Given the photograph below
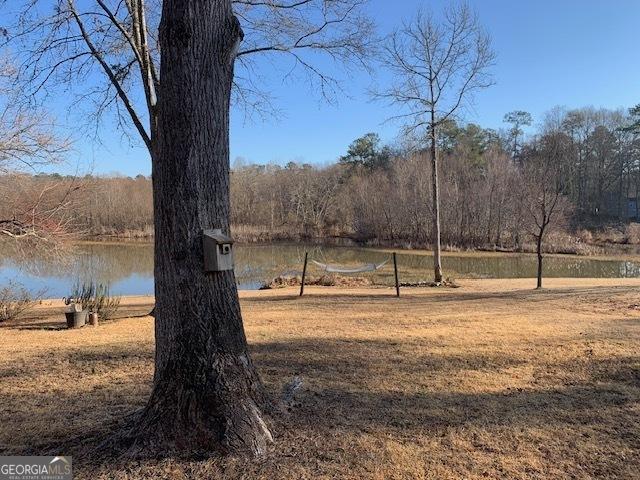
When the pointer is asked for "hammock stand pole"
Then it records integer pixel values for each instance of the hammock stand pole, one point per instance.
(395, 271)
(304, 273)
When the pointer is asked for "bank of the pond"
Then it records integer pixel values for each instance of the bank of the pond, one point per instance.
(611, 255)
(611, 242)
(49, 313)
(593, 251)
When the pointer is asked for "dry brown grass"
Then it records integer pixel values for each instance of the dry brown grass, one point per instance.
(492, 380)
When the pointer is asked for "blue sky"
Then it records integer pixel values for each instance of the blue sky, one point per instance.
(549, 52)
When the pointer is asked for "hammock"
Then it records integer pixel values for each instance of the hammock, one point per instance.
(369, 267)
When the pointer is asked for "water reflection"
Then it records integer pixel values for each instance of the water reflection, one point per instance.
(128, 267)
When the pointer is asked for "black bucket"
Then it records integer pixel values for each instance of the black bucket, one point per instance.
(76, 319)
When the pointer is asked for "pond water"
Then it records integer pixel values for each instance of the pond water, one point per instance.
(128, 267)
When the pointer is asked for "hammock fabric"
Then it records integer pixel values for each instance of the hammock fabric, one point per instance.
(369, 267)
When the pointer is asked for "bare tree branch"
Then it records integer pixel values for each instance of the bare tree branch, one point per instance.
(436, 66)
(90, 46)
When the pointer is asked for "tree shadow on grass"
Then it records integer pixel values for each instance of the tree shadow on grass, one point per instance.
(371, 386)
(326, 361)
(363, 382)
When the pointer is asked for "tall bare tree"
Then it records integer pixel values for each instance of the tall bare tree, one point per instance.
(437, 65)
(541, 178)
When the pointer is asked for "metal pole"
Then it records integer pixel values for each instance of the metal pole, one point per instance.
(304, 273)
(395, 271)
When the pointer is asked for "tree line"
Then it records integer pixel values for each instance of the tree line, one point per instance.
(381, 194)
(375, 193)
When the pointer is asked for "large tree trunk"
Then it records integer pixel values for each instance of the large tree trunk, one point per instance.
(206, 393)
(437, 262)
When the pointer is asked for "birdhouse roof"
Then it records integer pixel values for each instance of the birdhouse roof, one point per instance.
(219, 237)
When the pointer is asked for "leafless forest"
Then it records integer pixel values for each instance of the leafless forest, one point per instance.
(377, 193)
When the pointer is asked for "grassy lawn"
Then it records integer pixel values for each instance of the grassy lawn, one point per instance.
(491, 380)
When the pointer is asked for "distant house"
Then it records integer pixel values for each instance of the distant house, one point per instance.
(612, 205)
(632, 208)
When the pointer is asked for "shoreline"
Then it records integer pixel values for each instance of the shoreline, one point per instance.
(467, 252)
(138, 306)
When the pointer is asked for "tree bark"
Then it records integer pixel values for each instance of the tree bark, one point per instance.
(437, 262)
(206, 394)
(539, 253)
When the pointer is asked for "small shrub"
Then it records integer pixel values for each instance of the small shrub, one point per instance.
(96, 298)
(632, 233)
(611, 235)
(560, 242)
(585, 236)
(16, 300)
(105, 305)
(81, 295)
